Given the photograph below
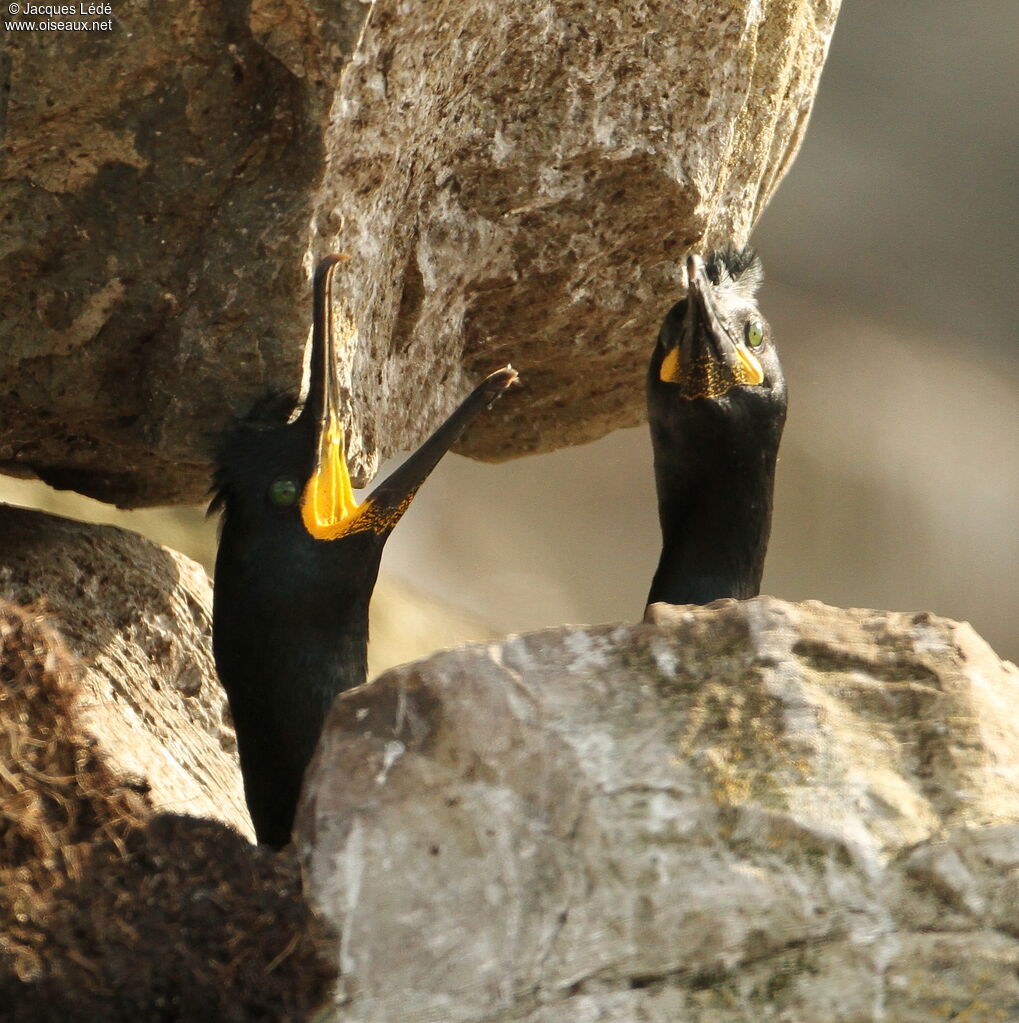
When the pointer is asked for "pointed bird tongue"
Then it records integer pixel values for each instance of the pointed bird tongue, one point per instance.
(328, 507)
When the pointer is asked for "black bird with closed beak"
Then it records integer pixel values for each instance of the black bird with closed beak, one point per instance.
(716, 402)
(297, 563)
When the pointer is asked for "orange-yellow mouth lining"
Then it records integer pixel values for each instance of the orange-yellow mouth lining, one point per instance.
(328, 506)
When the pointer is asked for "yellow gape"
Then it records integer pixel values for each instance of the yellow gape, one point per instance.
(706, 377)
(669, 372)
(328, 507)
(752, 372)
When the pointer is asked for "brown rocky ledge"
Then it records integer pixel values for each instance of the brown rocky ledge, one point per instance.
(514, 182)
(747, 811)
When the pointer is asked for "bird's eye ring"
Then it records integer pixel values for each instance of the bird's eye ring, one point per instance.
(283, 492)
(754, 332)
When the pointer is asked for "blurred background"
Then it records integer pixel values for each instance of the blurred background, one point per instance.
(892, 258)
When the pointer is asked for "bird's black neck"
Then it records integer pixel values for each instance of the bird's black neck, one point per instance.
(714, 506)
(287, 642)
(280, 716)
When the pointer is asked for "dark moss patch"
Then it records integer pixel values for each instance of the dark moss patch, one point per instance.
(109, 912)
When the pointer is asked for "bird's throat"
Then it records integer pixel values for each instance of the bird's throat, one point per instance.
(715, 530)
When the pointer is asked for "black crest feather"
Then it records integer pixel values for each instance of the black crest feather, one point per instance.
(739, 268)
(271, 411)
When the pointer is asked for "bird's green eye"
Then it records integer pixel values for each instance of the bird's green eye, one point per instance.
(283, 492)
(754, 331)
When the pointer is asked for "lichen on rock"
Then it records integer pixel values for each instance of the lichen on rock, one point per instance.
(749, 810)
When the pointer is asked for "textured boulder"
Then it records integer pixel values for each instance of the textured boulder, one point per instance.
(110, 912)
(513, 181)
(137, 620)
(742, 812)
(157, 183)
(520, 182)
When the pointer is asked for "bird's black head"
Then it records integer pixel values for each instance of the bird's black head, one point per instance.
(715, 363)
(284, 491)
(285, 476)
(266, 463)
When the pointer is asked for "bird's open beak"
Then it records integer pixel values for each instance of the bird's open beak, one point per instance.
(708, 361)
(328, 507)
(391, 498)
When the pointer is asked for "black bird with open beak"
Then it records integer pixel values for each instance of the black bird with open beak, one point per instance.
(716, 407)
(297, 563)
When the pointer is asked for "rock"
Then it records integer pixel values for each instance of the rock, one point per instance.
(520, 183)
(157, 182)
(109, 912)
(748, 811)
(137, 619)
(513, 182)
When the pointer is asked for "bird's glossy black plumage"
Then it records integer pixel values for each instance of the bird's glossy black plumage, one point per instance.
(296, 567)
(716, 407)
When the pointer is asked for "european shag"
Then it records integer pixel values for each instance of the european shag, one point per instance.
(297, 563)
(716, 407)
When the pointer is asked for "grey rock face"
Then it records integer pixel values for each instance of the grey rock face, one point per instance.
(742, 812)
(513, 182)
(138, 619)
